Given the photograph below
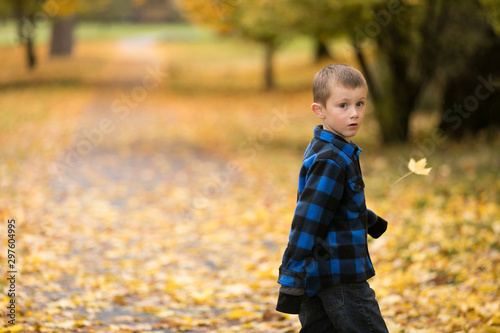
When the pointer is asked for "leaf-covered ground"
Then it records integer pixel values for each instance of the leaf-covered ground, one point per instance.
(173, 214)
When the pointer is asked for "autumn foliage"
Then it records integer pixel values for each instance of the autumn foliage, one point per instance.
(175, 220)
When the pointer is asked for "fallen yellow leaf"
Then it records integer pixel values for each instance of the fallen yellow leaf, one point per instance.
(238, 314)
(12, 329)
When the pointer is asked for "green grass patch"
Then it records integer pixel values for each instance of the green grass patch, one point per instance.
(94, 31)
(162, 32)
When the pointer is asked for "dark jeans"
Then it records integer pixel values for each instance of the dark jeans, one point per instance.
(342, 308)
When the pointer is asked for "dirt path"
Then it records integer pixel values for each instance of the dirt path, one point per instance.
(131, 229)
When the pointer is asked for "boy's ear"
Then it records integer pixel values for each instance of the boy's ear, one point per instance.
(318, 110)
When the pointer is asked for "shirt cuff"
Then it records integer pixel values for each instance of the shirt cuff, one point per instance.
(377, 229)
(291, 278)
(288, 303)
(372, 217)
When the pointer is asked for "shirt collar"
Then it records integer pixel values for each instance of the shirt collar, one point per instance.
(350, 148)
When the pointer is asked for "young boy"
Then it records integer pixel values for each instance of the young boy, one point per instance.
(326, 263)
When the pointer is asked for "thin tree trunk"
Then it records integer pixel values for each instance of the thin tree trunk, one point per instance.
(30, 47)
(270, 48)
(19, 9)
(321, 51)
(26, 32)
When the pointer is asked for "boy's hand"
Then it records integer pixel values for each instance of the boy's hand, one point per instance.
(378, 228)
(289, 300)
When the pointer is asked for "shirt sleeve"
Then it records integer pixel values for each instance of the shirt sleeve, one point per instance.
(372, 217)
(316, 206)
(378, 227)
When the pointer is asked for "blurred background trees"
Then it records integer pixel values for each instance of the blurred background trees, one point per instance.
(410, 51)
(269, 23)
(418, 54)
(63, 15)
(442, 45)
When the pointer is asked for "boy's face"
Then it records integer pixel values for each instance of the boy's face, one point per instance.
(344, 110)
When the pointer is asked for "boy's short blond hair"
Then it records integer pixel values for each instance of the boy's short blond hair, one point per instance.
(340, 74)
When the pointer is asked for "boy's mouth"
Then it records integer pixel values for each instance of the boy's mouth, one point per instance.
(354, 125)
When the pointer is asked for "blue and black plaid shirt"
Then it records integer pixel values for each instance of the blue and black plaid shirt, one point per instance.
(328, 237)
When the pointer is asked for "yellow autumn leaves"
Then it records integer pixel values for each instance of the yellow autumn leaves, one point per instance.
(132, 255)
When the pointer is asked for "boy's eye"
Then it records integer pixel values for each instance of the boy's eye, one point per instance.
(360, 104)
(343, 105)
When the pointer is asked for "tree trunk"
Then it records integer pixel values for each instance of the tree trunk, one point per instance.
(270, 48)
(26, 32)
(401, 82)
(30, 50)
(61, 43)
(394, 99)
(321, 51)
(19, 9)
(373, 89)
(472, 97)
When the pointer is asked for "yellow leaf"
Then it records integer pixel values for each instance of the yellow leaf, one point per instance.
(238, 314)
(419, 167)
(12, 329)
